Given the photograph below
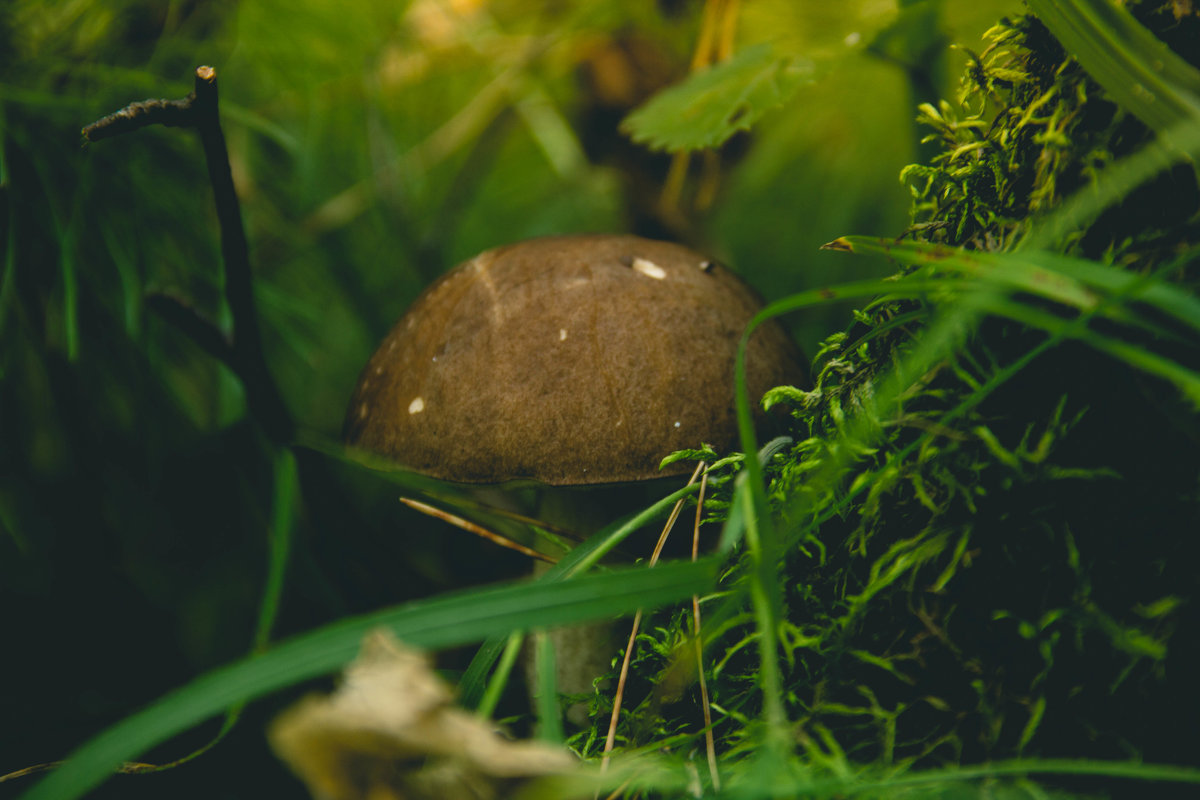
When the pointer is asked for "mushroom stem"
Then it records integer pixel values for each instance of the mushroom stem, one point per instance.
(585, 652)
(581, 652)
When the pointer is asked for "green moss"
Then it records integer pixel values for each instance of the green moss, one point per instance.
(1014, 579)
(1028, 129)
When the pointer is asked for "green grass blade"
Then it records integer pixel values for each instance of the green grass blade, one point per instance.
(1074, 282)
(132, 291)
(576, 562)
(1171, 300)
(1112, 769)
(1138, 70)
(1111, 186)
(508, 650)
(1184, 379)
(579, 560)
(441, 622)
(69, 276)
(232, 112)
(548, 714)
(751, 782)
(1073, 328)
(1069, 281)
(377, 465)
(734, 529)
(279, 536)
(473, 686)
(279, 541)
(1010, 272)
(586, 555)
(4, 173)
(8, 279)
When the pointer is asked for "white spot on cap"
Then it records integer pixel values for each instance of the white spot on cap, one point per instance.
(649, 268)
(416, 406)
(379, 370)
(676, 424)
(562, 334)
(362, 411)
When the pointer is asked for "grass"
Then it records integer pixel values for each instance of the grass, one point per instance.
(931, 586)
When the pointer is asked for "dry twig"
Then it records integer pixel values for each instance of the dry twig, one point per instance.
(244, 355)
(610, 739)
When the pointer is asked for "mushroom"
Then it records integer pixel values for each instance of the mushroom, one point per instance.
(566, 361)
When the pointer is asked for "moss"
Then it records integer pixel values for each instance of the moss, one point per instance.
(1028, 129)
(1018, 580)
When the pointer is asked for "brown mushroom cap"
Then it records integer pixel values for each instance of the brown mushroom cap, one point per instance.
(565, 360)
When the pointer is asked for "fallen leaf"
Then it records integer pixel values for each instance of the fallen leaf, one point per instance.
(391, 732)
